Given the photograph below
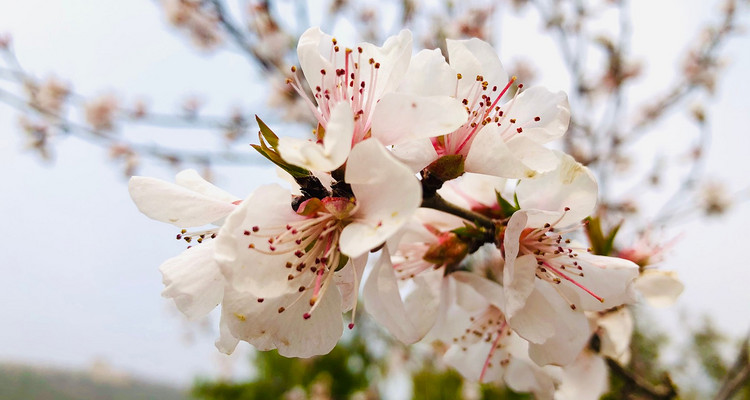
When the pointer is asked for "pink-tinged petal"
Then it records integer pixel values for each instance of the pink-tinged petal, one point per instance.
(407, 320)
(348, 280)
(429, 75)
(415, 154)
(473, 190)
(246, 268)
(475, 57)
(174, 204)
(609, 278)
(490, 155)
(542, 115)
(586, 379)
(387, 194)
(226, 342)
(190, 179)
(262, 325)
(571, 185)
(615, 331)
(659, 288)
(334, 150)
(571, 333)
(193, 280)
(400, 117)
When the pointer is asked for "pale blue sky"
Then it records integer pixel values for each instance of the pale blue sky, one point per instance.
(78, 263)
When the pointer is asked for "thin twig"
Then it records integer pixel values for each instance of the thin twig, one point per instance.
(739, 375)
(664, 391)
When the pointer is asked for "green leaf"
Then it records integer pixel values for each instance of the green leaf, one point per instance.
(267, 133)
(601, 244)
(609, 243)
(506, 208)
(275, 157)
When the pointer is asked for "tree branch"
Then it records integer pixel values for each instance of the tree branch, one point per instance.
(664, 391)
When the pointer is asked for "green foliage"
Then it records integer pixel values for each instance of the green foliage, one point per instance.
(341, 373)
(601, 244)
(26, 382)
(705, 345)
(490, 392)
(430, 383)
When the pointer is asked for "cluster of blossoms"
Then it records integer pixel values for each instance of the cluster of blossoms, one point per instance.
(442, 168)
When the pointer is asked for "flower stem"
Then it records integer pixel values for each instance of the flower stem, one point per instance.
(436, 202)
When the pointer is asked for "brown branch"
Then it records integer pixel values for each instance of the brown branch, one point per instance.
(154, 151)
(436, 202)
(239, 38)
(664, 391)
(739, 375)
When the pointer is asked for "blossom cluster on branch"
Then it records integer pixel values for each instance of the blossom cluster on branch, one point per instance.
(484, 233)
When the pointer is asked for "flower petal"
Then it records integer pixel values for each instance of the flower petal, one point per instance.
(193, 280)
(571, 333)
(400, 117)
(519, 273)
(262, 325)
(174, 204)
(586, 379)
(407, 320)
(610, 278)
(542, 115)
(226, 342)
(615, 331)
(570, 185)
(474, 57)
(190, 179)
(310, 49)
(387, 194)
(336, 143)
(347, 280)
(394, 57)
(415, 154)
(659, 288)
(523, 375)
(429, 75)
(490, 155)
(246, 268)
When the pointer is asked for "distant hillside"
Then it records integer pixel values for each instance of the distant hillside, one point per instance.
(20, 382)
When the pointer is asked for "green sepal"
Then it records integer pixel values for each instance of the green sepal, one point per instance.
(311, 207)
(600, 244)
(447, 167)
(274, 156)
(267, 133)
(468, 232)
(506, 208)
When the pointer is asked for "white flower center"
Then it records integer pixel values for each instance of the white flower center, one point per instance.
(314, 243)
(489, 326)
(482, 105)
(557, 259)
(353, 81)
